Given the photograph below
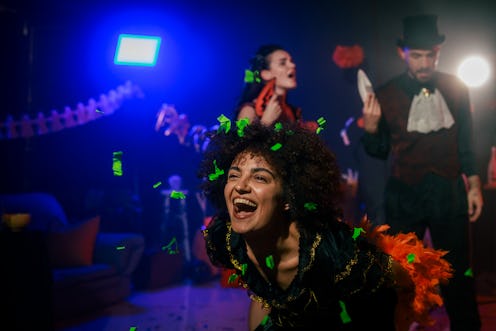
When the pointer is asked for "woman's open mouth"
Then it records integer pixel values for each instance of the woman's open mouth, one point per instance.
(244, 205)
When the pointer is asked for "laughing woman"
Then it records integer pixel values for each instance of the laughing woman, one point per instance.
(279, 225)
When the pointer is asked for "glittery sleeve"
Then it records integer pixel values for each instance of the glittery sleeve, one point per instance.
(215, 241)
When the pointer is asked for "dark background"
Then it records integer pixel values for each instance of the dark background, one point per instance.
(56, 54)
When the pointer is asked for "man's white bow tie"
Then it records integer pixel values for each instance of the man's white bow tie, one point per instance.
(429, 112)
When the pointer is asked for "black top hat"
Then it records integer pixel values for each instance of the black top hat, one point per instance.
(420, 32)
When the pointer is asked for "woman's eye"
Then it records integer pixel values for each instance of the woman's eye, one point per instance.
(261, 179)
(232, 176)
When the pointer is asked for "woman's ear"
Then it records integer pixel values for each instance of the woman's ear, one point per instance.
(266, 75)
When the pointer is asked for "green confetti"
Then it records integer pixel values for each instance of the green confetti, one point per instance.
(232, 278)
(225, 123)
(321, 121)
(278, 126)
(177, 195)
(345, 318)
(169, 249)
(276, 147)
(133, 328)
(218, 172)
(269, 262)
(356, 232)
(410, 258)
(310, 206)
(157, 184)
(98, 111)
(120, 248)
(469, 273)
(265, 320)
(243, 268)
(251, 76)
(241, 125)
(117, 163)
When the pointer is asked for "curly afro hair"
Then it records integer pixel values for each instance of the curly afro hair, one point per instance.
(310, 175)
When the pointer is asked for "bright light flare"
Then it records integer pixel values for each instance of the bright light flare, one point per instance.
(137, 50)
(474, 71)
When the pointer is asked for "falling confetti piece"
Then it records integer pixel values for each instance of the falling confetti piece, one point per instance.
(177, 195)
(117, 163)
(344, 136)
(120, 248)
(276, 147)
(218, 172)
(243, 268)
(469, 273)
(157, 184)
(345, 318)
(344, 131)
(278, 126)
(310, 206)
(265, 320)
(251, 76)
(225, 123)
(269, 262)
(169, 245)
(321, 122)
(410, 258)
(348, 122)
(232, 278)
(132, 328)
(241, 125)
(357, 232)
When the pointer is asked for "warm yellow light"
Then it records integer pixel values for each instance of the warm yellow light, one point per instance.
(16, 221)
(474, 71)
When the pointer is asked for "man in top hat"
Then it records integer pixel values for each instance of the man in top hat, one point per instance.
(422, 116)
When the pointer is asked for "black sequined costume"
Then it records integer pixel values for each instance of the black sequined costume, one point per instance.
(338, 276)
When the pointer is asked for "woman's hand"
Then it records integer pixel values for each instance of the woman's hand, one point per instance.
(272, 111)
(256, 314)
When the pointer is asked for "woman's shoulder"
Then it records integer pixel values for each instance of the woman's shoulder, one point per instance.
(246, 110)
(250, 104)
(246, 106)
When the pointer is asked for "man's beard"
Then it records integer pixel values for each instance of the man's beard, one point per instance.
(421, 76)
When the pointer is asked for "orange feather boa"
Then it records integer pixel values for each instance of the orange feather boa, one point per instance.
(418, 290)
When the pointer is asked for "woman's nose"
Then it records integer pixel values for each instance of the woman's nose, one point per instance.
(242, 186)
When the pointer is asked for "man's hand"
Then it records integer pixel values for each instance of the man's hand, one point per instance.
(474, 197)
(371, 113)
(351, 183)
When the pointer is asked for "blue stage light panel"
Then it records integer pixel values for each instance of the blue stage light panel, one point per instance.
(137, 50)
